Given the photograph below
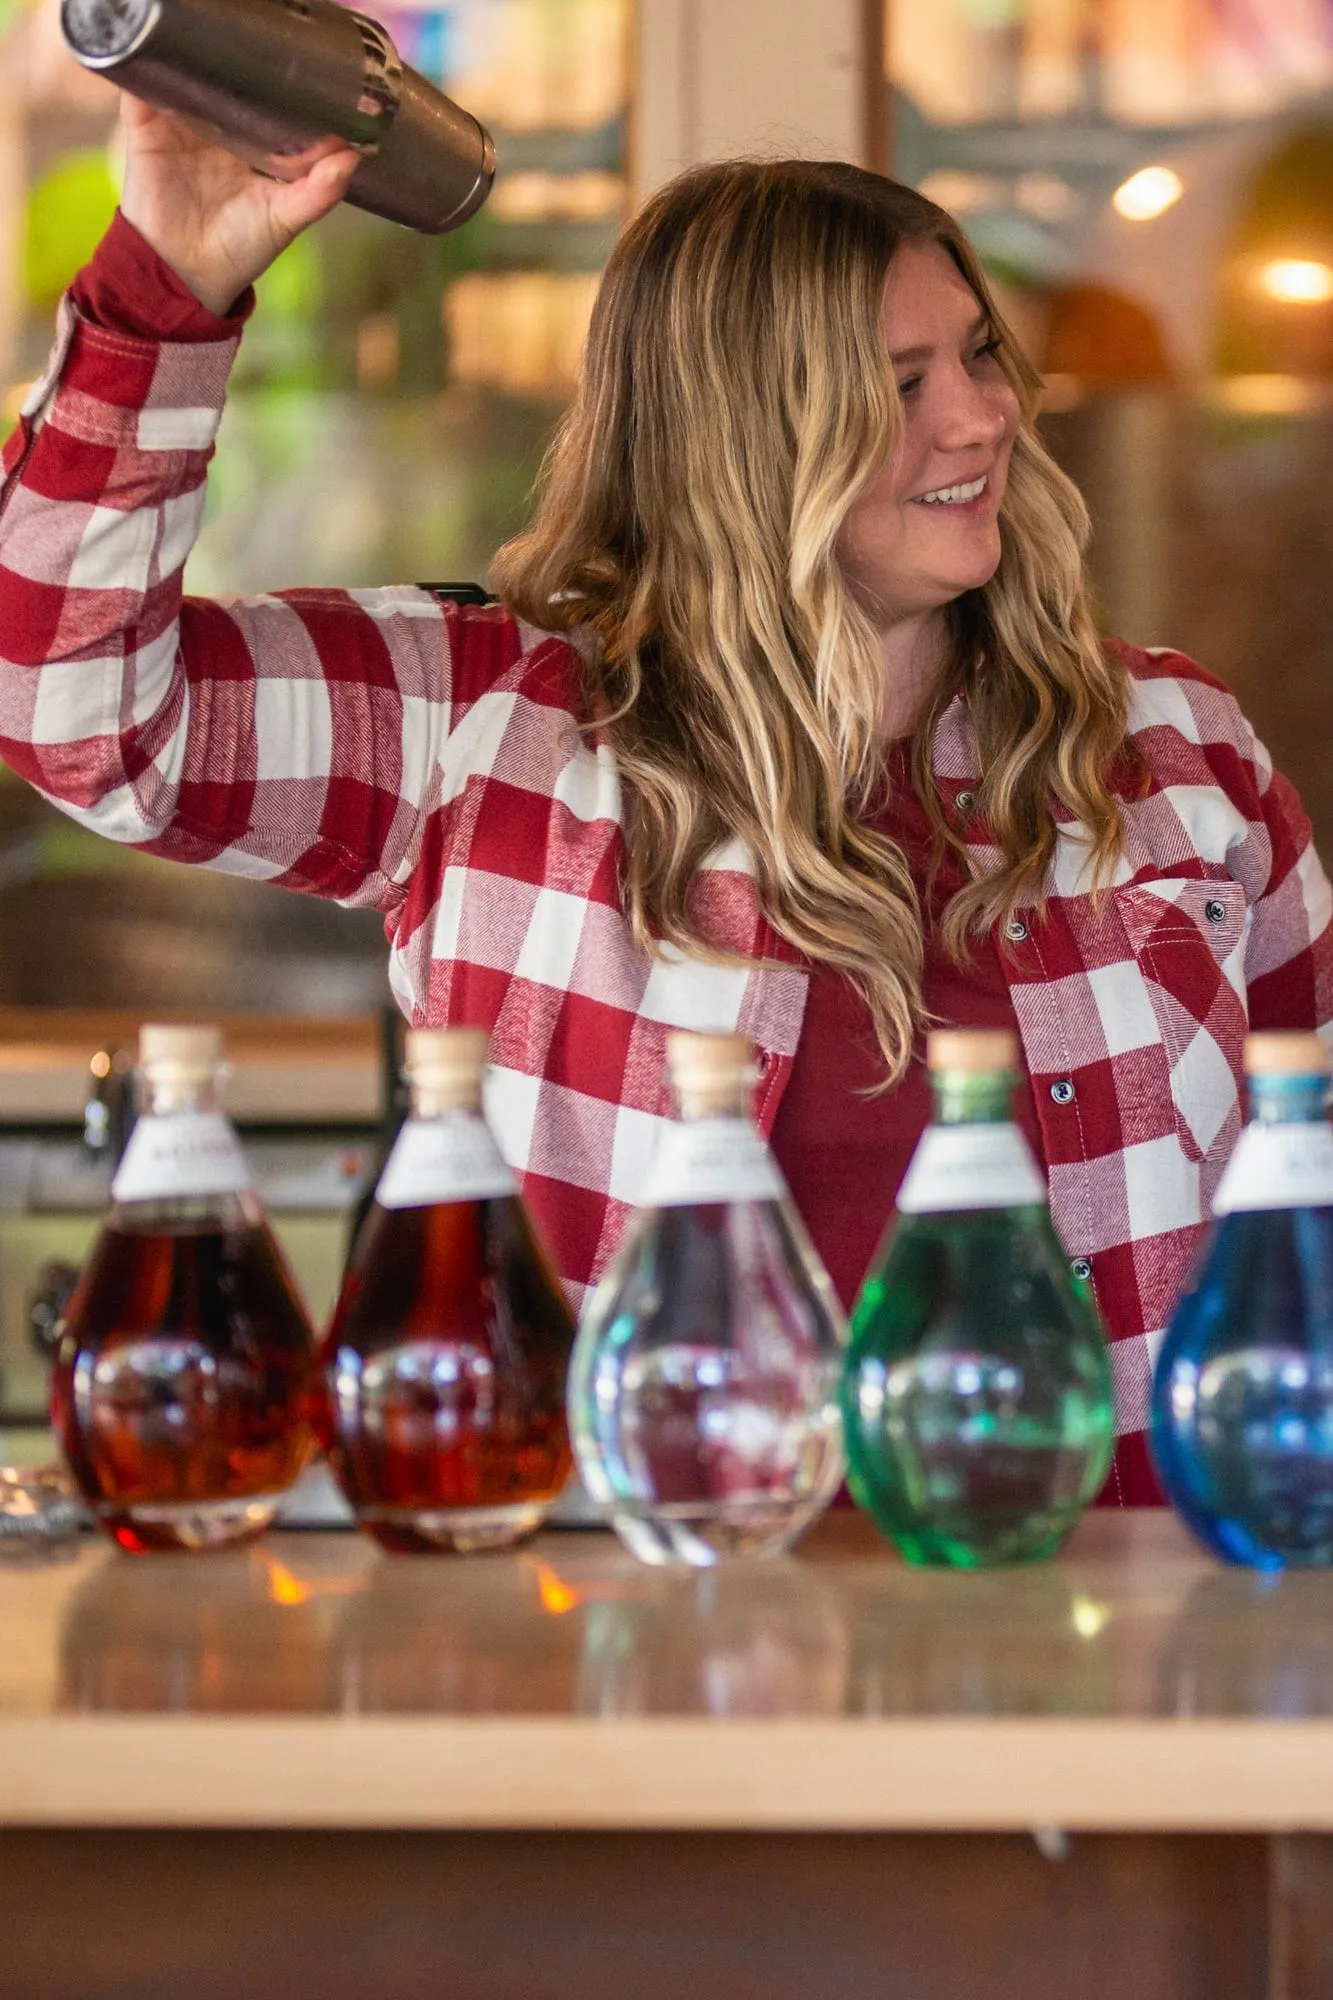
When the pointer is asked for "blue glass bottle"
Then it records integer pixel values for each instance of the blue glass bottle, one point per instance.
(1242, 1419)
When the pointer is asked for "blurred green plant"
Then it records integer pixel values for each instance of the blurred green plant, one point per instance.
(68, 210)
(282, 342)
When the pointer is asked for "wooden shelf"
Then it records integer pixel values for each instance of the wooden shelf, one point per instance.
(283, 1069)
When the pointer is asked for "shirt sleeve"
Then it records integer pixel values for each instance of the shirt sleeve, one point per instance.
(1289, 954)
(128, 288)
(296, 738)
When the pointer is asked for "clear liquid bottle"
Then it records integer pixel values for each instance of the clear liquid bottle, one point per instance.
(181, 1377)
(1242, 1419)
(703, 1391)
(441, 1379)
(977, 1393)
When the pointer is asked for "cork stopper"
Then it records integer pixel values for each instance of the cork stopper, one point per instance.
(1274, 1054)
(184, 1052)
(445, 1068)
(972, 1051)
(712, 1074)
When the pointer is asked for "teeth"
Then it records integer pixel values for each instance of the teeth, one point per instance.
(954, 496)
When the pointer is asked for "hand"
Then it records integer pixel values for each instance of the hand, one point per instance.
(212, 218)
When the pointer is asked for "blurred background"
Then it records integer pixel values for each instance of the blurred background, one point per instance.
(1149, 181)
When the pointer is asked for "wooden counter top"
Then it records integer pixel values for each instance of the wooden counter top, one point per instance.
(311, 1681)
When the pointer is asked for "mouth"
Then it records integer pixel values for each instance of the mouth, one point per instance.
(966, 497)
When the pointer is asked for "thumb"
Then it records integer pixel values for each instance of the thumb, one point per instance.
(296, 204)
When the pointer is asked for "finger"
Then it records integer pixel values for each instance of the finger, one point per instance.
(297, 204)
(295, 166)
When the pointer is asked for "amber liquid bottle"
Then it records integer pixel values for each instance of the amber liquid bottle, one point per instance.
(441, 1380)
(182, 1371)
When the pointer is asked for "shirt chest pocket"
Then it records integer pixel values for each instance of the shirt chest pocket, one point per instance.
(1188, 941)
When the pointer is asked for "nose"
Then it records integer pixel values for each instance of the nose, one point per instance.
(971, 413)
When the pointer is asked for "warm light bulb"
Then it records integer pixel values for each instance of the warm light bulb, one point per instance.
(1147, 193)
(1298, 281)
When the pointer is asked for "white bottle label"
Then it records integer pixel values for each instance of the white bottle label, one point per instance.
(1279, 1166)
(180, 1153)
(710, 1160)
(443, 1159)
(971, 1166)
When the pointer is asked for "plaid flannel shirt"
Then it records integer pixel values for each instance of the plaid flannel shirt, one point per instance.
(384, 748)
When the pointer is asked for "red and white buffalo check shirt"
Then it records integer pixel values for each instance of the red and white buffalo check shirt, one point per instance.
(385, 749)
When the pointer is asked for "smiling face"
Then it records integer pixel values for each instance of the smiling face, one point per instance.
(928, 529)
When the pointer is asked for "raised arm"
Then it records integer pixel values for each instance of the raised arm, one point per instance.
(214, 220)
(266, 737)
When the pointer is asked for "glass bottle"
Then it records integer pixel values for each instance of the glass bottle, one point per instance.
(441, 1398)
(703, 1391)
(977, 1394)
(179, 1390)
(1242, 1412)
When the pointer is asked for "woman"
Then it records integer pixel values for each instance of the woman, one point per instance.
(792, 718)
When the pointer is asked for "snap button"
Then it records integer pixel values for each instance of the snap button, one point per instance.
(1215, 910)
(1081, 1268)
(965, 801)
(1062, 1090)
(1015, 930)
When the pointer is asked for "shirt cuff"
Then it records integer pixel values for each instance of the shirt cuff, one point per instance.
(128, 288)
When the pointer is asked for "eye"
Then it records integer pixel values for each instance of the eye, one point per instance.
(987, 349)
(909, 385)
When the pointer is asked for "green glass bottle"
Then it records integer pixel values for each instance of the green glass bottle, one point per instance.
(977, 1392)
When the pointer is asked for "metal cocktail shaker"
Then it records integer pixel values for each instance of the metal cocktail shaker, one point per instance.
(275, 80)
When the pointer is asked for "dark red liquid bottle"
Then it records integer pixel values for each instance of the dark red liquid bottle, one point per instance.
(441, 1380)
(182, 1374)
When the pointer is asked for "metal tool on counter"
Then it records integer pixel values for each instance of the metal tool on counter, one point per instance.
(274, 81)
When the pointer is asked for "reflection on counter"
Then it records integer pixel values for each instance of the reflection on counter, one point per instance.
(968, 1644)
(1132, 1621)
(1252, 1643)
(571, 1625)
(127, 1645)
(478, 1638)
(733, 1641)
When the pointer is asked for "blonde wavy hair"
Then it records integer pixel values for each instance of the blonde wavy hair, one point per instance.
(736, 397)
